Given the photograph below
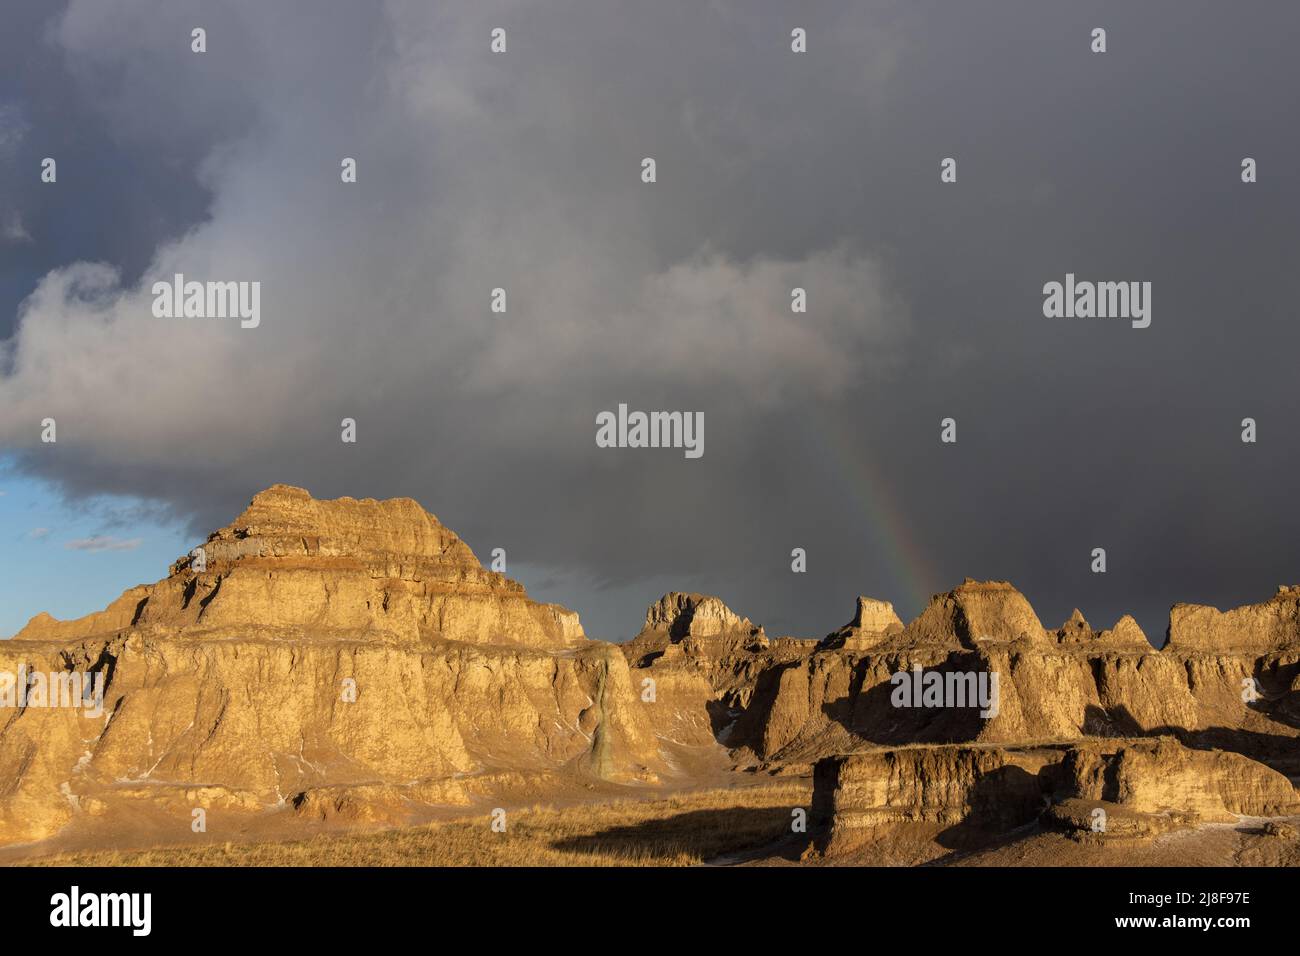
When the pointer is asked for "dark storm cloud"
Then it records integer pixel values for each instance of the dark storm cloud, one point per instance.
(127, 141)
(775, 170)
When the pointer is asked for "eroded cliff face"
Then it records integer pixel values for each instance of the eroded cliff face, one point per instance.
(1099, 790)
(1062, 684)
(995, 789)
(352, 659)
(1271, 625)
(709, 667)
(315, 645)
(1162, 776)
(294, 567)
(1078, 720)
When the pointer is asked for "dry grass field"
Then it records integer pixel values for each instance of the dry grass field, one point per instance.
(681, 830)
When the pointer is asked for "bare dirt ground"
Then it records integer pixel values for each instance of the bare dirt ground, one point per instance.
(740, 820)
(678, 829)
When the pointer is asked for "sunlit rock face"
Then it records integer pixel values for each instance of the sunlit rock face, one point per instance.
(350, 660)
(315, 644)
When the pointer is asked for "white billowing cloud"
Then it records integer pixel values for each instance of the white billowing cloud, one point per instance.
(375, 295)
(119, 383)
(474, 172)
(521, 170)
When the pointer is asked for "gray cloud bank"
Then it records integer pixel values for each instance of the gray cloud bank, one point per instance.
(775, 170)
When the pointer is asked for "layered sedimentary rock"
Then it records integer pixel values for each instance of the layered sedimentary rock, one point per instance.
(873, 623)
(1057, 685)
(1136, 789)
(947, 784)
(1162, 776)
(678, 616)
(291, 566)
(1268, 626)
(977, 613)
(351, 659)
(1220, 709)
(708, 666)
(315, 644)
(1115, 788)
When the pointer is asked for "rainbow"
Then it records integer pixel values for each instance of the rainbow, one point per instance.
(912, 579)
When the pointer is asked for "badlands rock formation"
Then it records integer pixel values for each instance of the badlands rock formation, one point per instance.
(315, 645)
(1062, 684)
(1219, 703)
(976, 791)
(352, 660)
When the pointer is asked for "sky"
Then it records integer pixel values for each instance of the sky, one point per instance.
(774, 169)
(69, 558)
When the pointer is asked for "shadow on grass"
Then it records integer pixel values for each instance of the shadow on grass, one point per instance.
(698, 834)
